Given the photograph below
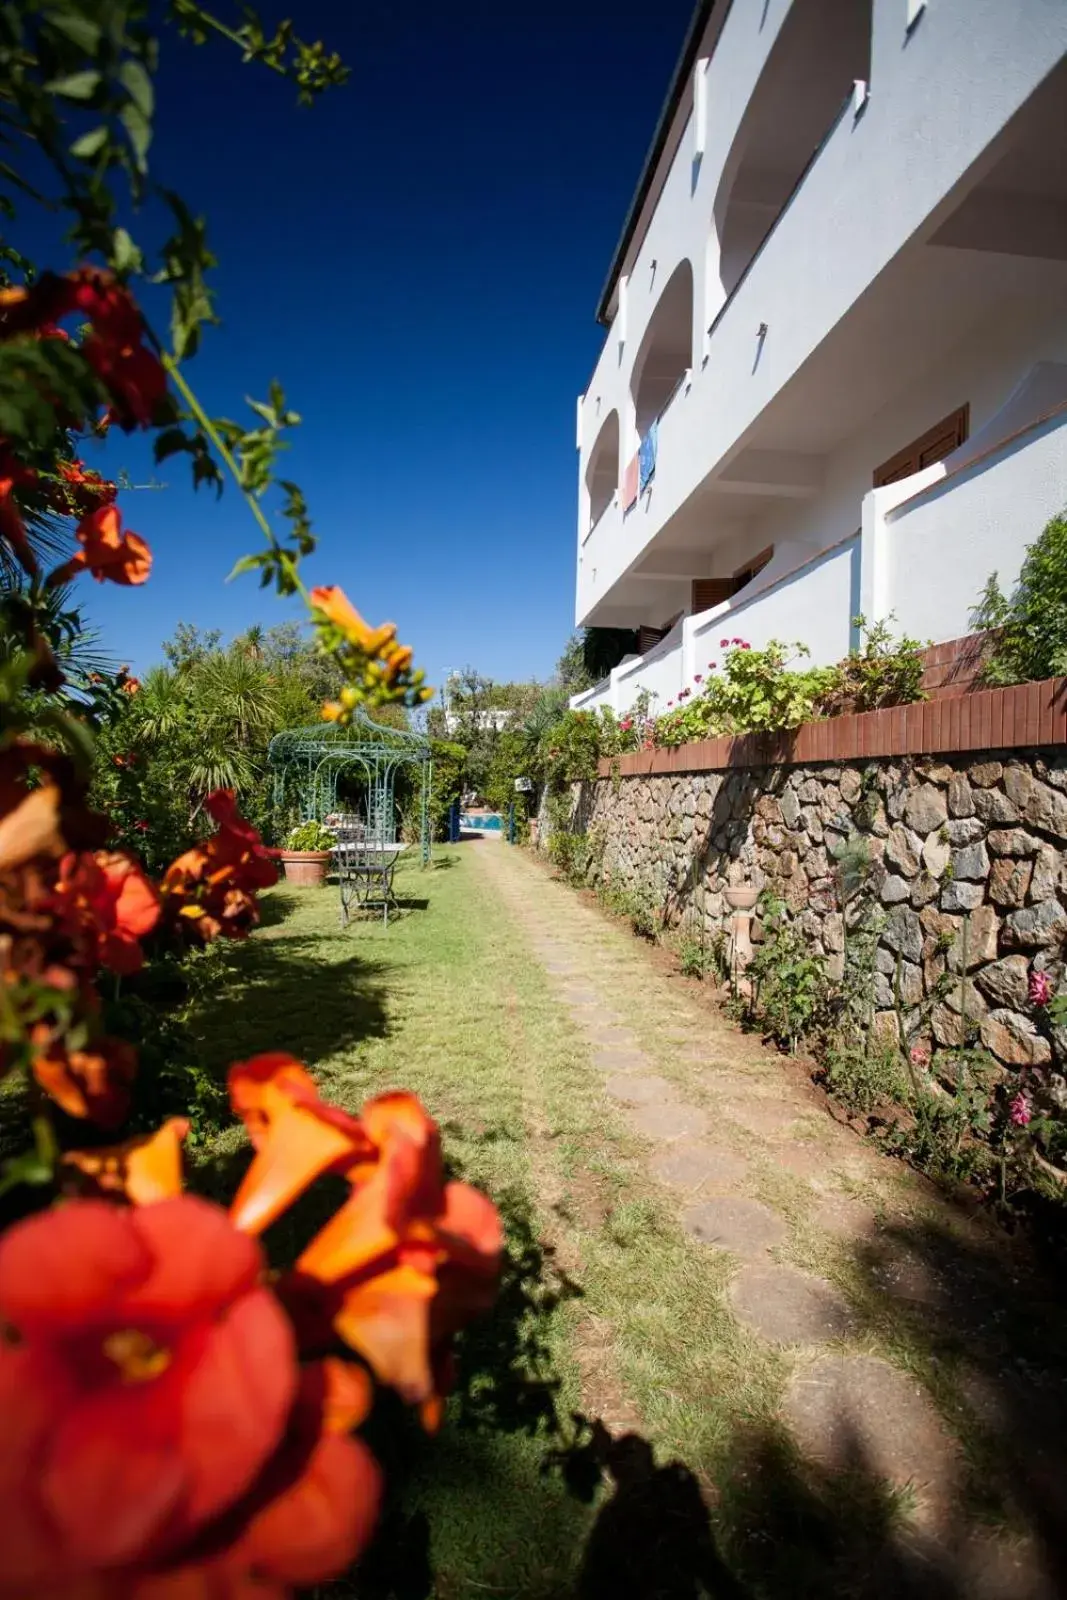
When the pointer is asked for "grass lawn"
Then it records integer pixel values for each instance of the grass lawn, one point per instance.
(441, 1004)
(609, 1310)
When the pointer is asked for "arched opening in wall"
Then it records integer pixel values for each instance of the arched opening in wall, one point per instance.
(602, 473)
(666, 352)
(822, 48)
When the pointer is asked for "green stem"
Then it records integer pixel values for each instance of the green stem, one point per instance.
(206, 18)
(201, 416)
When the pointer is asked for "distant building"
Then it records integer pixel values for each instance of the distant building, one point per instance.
(834, 374)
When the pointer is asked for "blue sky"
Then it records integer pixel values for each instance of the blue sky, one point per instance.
(418, 259)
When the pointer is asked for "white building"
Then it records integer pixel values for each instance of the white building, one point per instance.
(836, 330)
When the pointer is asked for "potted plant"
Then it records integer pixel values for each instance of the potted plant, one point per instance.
(306, 854)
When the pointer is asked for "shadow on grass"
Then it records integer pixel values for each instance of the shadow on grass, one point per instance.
(281, 994)
(598, 1517)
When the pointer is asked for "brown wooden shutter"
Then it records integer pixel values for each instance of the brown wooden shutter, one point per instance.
(933, 445)
(708, 592)
(647, 639)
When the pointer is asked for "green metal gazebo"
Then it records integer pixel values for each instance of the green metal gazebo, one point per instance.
(308, 764)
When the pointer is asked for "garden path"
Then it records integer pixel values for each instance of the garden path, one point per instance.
(913, 1345)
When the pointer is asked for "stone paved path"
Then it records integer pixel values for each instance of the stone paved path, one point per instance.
(835, 1249)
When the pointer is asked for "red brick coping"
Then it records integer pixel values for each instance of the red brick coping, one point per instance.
(954, 719)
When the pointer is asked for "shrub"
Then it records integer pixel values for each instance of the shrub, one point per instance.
(883, 672)
(757, 691)
(790, 987)
(310, 836)
(1030, 628)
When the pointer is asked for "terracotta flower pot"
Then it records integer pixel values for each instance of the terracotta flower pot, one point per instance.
(305, 867)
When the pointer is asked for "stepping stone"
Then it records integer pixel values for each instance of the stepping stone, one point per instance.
(670, 1121)
(598, 1020)
(860, 1414)
(615, 1039)
(576, 996)
(846, 1218)
(811, 1161)
(787, 1306)
(634, 1090)
(746, 1227)
(767, 1117)
(692, 1166)
(620, 1061)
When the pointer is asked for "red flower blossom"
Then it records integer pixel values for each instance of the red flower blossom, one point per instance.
(1040, 989)
(82, 490)
(133, 376)
(404, 1263)
(209, 890)
(13, 475)
(152, 1382)
(1021, 1110)
(107, 906)
(107, 551)
(698, 677)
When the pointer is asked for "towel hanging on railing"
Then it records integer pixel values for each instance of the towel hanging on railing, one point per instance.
(647, 457)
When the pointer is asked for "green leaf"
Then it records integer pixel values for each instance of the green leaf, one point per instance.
(75, 86)
(266, 412)
(125, 255)
(90, 144)
(169, 442)
(138, 86)
(249, 564)
(139, 131)
(79, 29)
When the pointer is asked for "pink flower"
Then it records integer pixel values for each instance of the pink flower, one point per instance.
(670, 702)
(1021, 1110)
(724, 644)
(698, 677)
(1040, 989)
(626, 724)
(712, 666)
(920, 1056)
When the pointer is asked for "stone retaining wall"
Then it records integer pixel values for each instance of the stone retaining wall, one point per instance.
(977, 837)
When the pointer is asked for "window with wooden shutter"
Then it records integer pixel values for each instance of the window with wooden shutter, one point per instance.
(708, 592)
(744, 575)
(933, 445)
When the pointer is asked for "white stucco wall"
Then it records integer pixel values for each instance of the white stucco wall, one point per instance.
(941, 545)
(937, 101)
(927, 546)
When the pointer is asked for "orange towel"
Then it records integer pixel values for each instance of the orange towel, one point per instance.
(630, 481)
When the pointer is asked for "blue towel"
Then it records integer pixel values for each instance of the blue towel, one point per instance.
(648, 456)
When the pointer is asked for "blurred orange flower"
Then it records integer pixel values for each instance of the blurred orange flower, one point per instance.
(82, 490)
(108, 552)
(141, 1170)
(93, 1083)
(209, 890)
(295, 1134)
(338, 609)
(106, 905)
(405, 1262)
